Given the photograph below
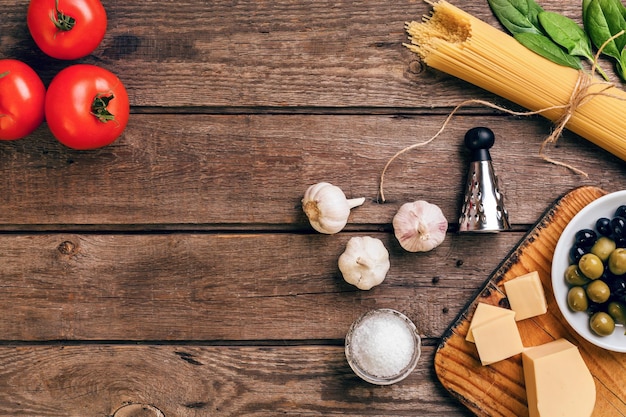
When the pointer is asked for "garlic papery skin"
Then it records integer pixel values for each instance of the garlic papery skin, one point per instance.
(365, 262)
(327, 207)
(420, 226)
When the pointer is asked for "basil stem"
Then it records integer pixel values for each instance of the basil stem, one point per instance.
(544, 46)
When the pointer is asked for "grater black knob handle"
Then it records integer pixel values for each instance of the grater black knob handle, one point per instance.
(479, 140)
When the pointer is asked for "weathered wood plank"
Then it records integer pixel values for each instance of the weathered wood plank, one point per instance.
(224, 286)
(192, 380)
(498, 389)
(237, 107)
(254, 169)
(277, 54)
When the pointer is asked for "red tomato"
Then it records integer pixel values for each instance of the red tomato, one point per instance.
(22, 96)
(86, 107)
(67, 29)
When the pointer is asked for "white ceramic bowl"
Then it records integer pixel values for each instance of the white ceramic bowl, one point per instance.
(586, 219)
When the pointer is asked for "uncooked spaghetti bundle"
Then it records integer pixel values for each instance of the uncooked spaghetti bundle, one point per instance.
(461, 45)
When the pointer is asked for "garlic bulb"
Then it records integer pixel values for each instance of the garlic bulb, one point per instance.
(327, 207)
(365, 262)
(420, 226)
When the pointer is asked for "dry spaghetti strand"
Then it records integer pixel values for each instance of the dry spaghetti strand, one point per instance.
(461, 45)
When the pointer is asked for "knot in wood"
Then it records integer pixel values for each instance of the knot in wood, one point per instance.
(138, 410)
(67, 247)
(416, 67)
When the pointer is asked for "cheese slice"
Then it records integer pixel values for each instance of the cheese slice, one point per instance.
(497, 339)
(558, 382)
(526, 296)
(485, 313)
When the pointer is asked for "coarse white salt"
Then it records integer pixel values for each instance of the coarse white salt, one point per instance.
(383, 345)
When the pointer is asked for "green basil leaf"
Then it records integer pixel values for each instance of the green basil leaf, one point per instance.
(534, 10)
(565, 32)
(618, 4)
(585, 9)
(614, 10)
(603, 19)
(544, 46)
(518, 16)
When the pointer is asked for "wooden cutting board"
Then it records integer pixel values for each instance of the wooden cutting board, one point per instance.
(498, 389)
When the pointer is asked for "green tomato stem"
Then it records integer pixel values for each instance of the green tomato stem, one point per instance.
(99, 108)
(61, 20)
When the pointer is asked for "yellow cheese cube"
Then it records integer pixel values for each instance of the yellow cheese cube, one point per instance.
(497, 339)
(558, 382)
(484, 313)
(526, 296)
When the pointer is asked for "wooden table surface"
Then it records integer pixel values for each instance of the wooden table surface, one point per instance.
(174, 270)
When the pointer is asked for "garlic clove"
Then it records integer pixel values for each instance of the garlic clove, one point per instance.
(420, 226)
(365, 262)
(327, 207)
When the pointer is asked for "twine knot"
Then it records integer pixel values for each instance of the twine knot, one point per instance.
(581, 94)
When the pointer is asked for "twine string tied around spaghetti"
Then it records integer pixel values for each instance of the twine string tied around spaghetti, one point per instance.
(581, 94)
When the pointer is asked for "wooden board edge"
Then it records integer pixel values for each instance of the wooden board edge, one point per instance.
(580, 196)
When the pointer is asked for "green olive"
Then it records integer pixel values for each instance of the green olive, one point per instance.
(577, 299)
(617, 310)
(598, 291)
(573, 276)
(591, 266)
(603, 248)
(617, 261)
(602, 324)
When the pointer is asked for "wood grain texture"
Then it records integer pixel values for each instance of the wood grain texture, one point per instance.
(236, 287)
(230, 53)
(175, 268)
(195, 381)
(271, 54)
(498, 389)
(252, 170)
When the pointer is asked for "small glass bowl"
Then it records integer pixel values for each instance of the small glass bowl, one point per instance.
(352, 356)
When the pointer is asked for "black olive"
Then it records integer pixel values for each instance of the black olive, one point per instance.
(617, 285)
(620, 242)
(585, 238)
(576, 252)
(604, 242)
(603, 226)
(618, 224)
(595, 307)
